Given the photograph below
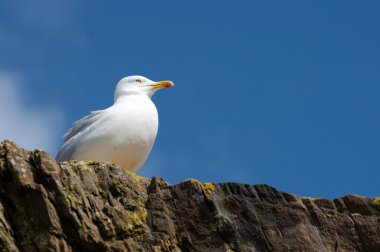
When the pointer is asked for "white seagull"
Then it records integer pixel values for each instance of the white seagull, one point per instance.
(122, 134)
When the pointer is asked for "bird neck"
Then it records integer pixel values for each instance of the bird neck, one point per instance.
(130, 97)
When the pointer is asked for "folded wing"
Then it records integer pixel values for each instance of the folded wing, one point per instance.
(80, 127)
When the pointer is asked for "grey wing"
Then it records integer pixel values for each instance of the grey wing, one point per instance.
(68, 147)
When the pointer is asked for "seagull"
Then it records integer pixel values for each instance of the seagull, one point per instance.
(122, 134)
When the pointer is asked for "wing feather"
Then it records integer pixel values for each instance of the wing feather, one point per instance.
(82, 124)
(68, 147)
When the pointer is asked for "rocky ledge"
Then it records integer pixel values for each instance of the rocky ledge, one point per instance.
(92, 206)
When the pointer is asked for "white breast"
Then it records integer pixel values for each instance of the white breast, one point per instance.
(125, 136)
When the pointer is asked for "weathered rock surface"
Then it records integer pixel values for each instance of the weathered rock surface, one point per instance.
(79, 206)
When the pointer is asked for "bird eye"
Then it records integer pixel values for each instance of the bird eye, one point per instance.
(138, 81)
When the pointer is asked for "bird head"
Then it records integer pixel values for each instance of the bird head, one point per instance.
(139, 85)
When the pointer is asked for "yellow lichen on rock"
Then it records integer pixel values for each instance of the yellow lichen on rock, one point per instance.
(376, 201)
(194, 181)
(330, 247)
(85, 166)
(136, 177)
(328, 216)
(208, 188)
(228, 248)
(166, 245)
(137, 219)
(213, 227)
(310, 198)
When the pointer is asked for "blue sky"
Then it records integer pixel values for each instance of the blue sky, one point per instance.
(278, 92)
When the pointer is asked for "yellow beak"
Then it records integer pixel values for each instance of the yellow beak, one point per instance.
(162, 84)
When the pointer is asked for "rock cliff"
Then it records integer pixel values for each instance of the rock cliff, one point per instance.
(94, 206)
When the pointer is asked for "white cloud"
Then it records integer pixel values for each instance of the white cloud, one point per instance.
(24, 33)
(30, 127)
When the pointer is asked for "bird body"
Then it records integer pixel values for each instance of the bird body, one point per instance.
(123, 134)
